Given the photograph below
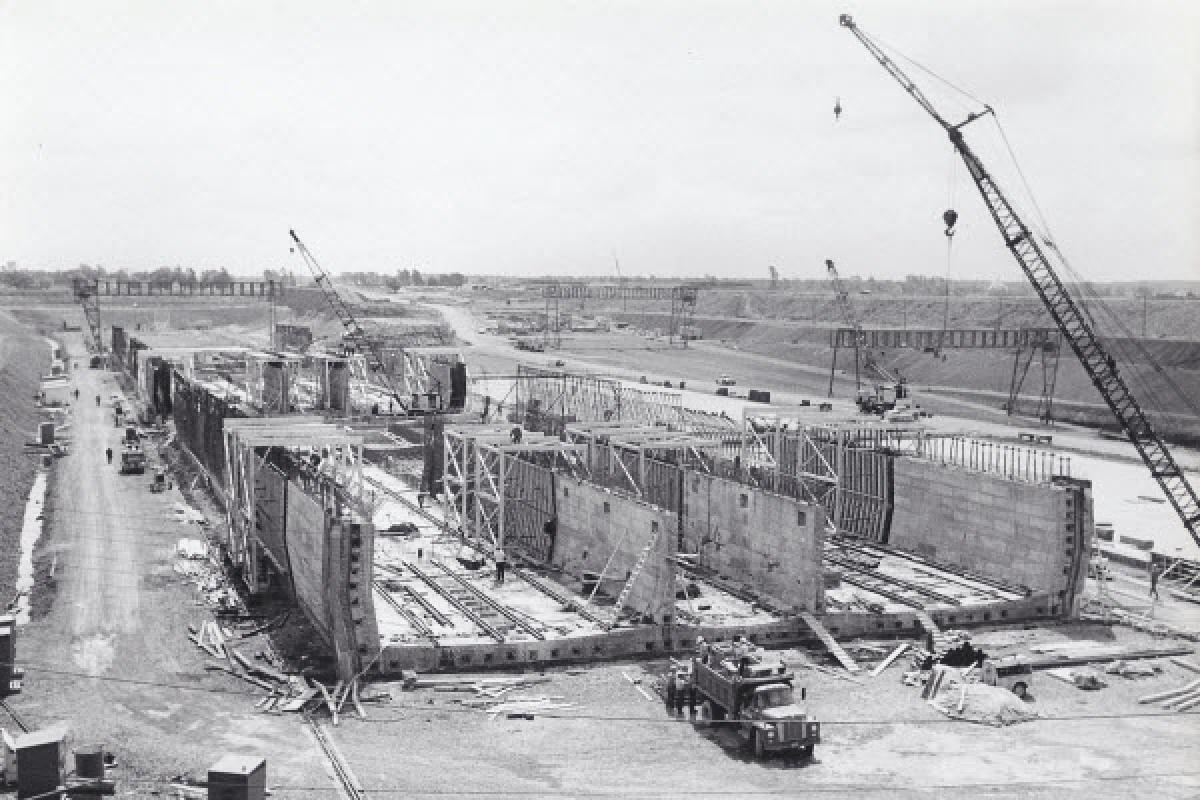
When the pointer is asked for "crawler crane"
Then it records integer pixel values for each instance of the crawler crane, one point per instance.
(1100, 366)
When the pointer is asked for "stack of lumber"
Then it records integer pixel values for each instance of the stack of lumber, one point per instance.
(1182, 699)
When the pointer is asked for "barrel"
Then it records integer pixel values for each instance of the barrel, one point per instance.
(89, 762)
(46, 433)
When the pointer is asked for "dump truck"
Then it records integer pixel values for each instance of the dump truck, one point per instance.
(758, 695)
(881, 398)
(133, 460)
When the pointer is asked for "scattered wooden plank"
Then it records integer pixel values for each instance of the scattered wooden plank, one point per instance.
(328, 701)
(301, 700)
(1188, 665)
(355, 699)
(887, 662)
(1168, 694)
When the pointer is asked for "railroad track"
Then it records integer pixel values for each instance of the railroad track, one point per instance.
(417, 623)
(468, 603)
(341, 770)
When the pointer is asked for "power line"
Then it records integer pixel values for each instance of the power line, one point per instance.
(427, 708)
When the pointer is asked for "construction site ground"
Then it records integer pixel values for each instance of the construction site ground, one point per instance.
(107, 652)
(107, 649)
(879, 739)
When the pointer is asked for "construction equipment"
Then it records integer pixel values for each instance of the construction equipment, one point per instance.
(1068, 316)
(354, 332)
(864, 361)
(757, 697)
(133, 459)
(880, 398)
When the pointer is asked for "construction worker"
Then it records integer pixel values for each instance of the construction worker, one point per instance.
(1155, 572)
(702, 649)
(97, 400)
(108, 454)
(501, 564)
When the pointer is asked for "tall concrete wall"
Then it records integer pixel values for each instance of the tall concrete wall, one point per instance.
(306, 552)
(595, 524)
(331, 571)
(1034, 534)
(757, 537)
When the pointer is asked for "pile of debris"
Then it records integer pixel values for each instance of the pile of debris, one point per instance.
(492, 696)
(989, 705)
(199, 564)
(286, 692)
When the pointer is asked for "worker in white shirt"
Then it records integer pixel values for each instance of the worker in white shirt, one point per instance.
(501, 564)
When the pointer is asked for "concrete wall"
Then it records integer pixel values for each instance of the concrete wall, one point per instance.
(276, 389)
(595, 524)
(750, 535)
(331, 570)
(270, 514)
(1037, 535)
(307, 542)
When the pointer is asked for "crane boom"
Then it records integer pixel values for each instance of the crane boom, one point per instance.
(1072, 323)
(861, 354)
(374, 351)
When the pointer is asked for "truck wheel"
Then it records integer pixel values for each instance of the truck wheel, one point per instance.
(760, 744)
(807, 751)
(1020, 689)
(706, 715)
(670, 695)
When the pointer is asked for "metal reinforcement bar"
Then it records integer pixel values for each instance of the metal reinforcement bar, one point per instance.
(412, 618)
(477, 620)
(499, 608)
(429, 607)
(553, 593)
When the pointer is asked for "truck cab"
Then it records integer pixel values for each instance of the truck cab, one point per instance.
(133, 459)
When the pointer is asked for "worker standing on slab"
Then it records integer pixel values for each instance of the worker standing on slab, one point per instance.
(108, 454)
(501, 563)
(1155, 572)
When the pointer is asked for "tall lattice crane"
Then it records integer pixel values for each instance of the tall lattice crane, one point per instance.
(1071, 321)
(373, 348)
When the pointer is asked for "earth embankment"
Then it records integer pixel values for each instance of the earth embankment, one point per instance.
(24, 356)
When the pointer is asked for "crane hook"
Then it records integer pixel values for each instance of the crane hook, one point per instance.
(950, 218)
(837, 109)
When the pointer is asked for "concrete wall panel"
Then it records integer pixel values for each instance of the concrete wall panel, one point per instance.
(1033, 534)
(769, 541)
(595, 524)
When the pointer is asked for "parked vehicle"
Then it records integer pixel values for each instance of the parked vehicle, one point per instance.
(738, 685)
(133, 460)
(1009, 672)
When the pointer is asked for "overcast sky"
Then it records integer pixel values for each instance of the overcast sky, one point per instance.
(541, 137)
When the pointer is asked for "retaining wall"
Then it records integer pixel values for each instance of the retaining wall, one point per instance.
(1034, 534)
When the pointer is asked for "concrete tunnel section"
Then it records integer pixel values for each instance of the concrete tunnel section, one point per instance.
(633, 524)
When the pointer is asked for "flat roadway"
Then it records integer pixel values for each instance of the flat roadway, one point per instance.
(107, 650)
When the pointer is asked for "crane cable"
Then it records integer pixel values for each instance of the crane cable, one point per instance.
(1128, 348)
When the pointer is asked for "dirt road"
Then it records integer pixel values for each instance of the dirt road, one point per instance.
(107, 649)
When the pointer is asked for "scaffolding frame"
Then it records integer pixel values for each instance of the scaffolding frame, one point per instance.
(477, 467)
